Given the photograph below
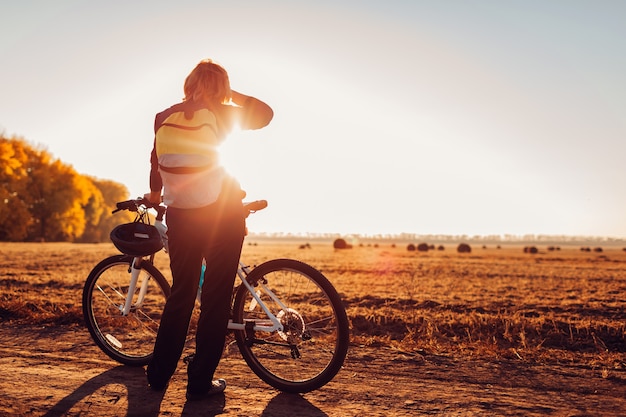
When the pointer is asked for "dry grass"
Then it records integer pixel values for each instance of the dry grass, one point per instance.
(566, 306)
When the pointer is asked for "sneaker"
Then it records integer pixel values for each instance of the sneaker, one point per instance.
(158, 387)
(217, 387)
(156, 384)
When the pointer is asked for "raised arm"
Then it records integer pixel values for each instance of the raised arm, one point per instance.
(252, 112)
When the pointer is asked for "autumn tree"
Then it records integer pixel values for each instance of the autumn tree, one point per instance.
(15, 217)
(55, 199)
(99, 210)
(44, 199)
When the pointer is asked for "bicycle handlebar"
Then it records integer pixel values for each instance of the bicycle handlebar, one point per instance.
(134, 205)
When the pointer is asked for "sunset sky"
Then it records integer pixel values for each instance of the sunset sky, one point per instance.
(453, 117)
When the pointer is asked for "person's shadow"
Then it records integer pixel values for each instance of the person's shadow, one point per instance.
(293, 405)
(141, 400)
(146, 403)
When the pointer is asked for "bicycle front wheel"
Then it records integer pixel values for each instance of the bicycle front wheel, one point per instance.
(128, 339)
(312, 346)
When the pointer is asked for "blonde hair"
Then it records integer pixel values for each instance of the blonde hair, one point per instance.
(208, 82)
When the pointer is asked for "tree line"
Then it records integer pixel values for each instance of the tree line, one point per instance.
(44, 199)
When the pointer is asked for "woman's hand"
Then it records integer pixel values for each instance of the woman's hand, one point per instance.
(154, 197)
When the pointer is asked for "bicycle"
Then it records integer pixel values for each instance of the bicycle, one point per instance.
(288, 320)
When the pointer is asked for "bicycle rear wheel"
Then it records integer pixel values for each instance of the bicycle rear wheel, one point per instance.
(127, 339)
(313, 345)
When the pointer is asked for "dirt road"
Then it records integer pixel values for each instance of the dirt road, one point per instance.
(60, 372)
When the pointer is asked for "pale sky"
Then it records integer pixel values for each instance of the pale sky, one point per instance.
(429, 117)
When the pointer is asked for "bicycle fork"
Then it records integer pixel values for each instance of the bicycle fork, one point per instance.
(132, 287)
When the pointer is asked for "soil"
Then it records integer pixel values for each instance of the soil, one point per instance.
(60, 372)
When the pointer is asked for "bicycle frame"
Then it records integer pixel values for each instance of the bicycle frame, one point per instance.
(242, 272)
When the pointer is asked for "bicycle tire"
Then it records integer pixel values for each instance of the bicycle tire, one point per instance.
(311, 349)
(126, 339)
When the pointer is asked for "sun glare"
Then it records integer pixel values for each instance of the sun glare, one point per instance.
(230, 150)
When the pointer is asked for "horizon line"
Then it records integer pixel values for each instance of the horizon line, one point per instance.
(447, 237)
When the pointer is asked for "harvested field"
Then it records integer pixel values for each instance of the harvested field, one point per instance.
(491, 332)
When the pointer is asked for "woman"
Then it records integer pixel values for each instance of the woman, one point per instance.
(205, 220)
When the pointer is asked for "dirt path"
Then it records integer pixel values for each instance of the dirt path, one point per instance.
(60, 372)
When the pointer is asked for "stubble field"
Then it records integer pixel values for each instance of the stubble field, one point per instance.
(491, 332)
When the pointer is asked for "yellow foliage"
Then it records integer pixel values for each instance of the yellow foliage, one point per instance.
(42, 198)
(10, 161)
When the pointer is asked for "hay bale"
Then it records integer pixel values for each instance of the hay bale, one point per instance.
(341, 244)
(422, 247)
(464, 248)
(410, 247)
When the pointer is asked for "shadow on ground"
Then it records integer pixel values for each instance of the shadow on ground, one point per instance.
(141, 400)
(123, 391)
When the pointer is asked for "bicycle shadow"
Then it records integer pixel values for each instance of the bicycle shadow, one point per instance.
(141, 400)
(291, 405)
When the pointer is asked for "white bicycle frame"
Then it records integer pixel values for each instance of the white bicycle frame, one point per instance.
(271, 325)
(276, 325)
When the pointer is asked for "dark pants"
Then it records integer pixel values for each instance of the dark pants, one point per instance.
(215, 233)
